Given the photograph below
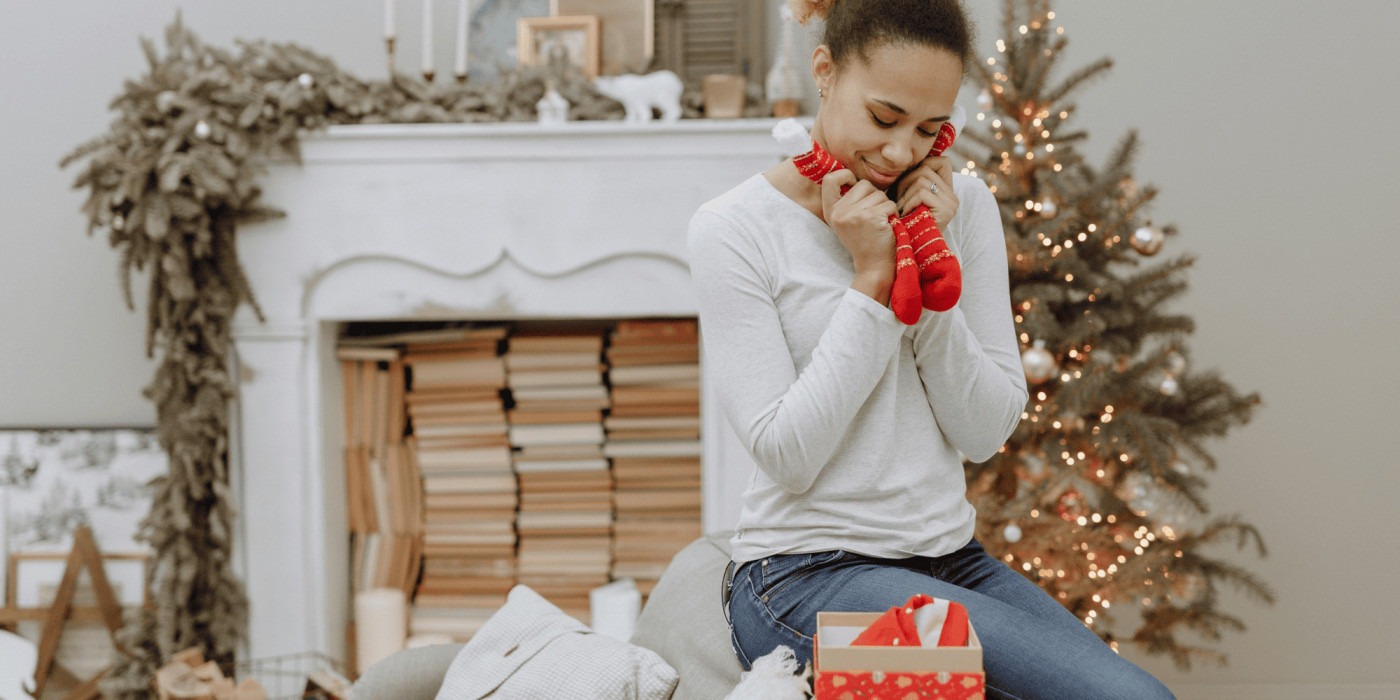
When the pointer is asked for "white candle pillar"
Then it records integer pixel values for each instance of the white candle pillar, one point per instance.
(463, 20)
(428, 39)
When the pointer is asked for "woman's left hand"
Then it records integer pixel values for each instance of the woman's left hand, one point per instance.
(914, 189)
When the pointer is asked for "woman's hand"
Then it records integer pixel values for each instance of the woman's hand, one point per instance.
(861, 220)
(913, 189)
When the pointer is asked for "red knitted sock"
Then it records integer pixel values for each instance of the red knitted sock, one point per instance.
(940, 274)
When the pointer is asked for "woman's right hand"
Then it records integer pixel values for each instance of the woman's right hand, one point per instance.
(861, 220)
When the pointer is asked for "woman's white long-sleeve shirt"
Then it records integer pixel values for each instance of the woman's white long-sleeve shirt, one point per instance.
(855, 420)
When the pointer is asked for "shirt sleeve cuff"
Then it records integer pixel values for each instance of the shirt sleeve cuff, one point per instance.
(881, 318)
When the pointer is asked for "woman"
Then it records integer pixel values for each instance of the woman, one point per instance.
(856, 420)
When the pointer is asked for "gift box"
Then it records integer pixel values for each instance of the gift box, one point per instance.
(847, 672)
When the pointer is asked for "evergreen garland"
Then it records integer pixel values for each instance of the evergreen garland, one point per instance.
(170, 182)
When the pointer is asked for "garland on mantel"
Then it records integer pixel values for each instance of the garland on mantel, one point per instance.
(170, 183)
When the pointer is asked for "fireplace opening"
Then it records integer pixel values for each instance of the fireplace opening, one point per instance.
(560, 454)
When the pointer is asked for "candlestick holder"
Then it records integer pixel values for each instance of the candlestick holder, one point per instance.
(428, 74)
(389, 53)
(461, 78)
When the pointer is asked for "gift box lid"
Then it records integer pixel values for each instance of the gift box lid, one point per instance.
(836, 631)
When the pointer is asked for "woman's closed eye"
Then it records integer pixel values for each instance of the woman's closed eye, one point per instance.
(886, 125)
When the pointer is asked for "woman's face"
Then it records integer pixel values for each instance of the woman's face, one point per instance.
(879, 117)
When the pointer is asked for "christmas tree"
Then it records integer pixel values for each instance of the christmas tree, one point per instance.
(1098, 495)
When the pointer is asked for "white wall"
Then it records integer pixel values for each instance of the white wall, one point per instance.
(1264, 123)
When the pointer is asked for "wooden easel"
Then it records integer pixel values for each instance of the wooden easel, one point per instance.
(84, 555)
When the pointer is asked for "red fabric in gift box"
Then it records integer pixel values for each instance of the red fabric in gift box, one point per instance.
(898, 626)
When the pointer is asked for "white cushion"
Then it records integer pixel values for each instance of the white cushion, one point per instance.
(531, 649)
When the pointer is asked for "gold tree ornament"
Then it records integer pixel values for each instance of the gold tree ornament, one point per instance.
(1147, 239)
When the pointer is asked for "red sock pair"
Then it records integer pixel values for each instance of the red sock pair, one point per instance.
(926, 273)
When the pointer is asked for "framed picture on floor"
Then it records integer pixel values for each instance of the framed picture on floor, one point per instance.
(52, 480)
(542, 40)
(36, 576)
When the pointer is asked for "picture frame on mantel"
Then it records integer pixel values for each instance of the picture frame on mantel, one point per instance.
(542, 39)
(493, 34)
(627, 33)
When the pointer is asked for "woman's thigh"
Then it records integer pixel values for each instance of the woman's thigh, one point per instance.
(1025, 654)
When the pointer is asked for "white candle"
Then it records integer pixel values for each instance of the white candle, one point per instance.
(427, 36)
(381, 624)
(463, 19)
(388, 19)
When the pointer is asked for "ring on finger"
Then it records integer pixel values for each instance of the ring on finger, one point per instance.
(933, 187)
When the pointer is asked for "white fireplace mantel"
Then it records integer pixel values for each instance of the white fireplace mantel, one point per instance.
(475, 222)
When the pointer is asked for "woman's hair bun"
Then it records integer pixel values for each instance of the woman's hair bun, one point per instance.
(804, 10)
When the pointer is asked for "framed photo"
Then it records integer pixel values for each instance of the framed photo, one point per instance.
(628, 39)
(492, 29)
(36, 576)
(52, 480)
(540, 40)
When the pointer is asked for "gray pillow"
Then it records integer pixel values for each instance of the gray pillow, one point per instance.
(411, 674)
(683, 621)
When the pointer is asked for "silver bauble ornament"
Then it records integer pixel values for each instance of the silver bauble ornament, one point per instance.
(1012, 533)
(1019, 149)
(1147, 239)
(165, 101)
(1188, 588)
(1176, 363)
(201, 130)
(1168, 385)
(984, 100)
(1039, 363)
(306, 80)
(1048, 208)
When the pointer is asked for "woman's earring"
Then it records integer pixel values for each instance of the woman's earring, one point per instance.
(820, 93)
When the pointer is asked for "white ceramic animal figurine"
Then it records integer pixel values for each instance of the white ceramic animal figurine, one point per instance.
(18, 656)
(640, 93)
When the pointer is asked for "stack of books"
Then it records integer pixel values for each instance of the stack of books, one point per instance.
(458, 439)
(383, 498)
(653, 440)
(558, 396)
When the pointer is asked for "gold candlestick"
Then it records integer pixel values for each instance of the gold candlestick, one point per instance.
(428, 74)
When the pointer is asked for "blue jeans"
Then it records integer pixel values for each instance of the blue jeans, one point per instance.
(1032, 646)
